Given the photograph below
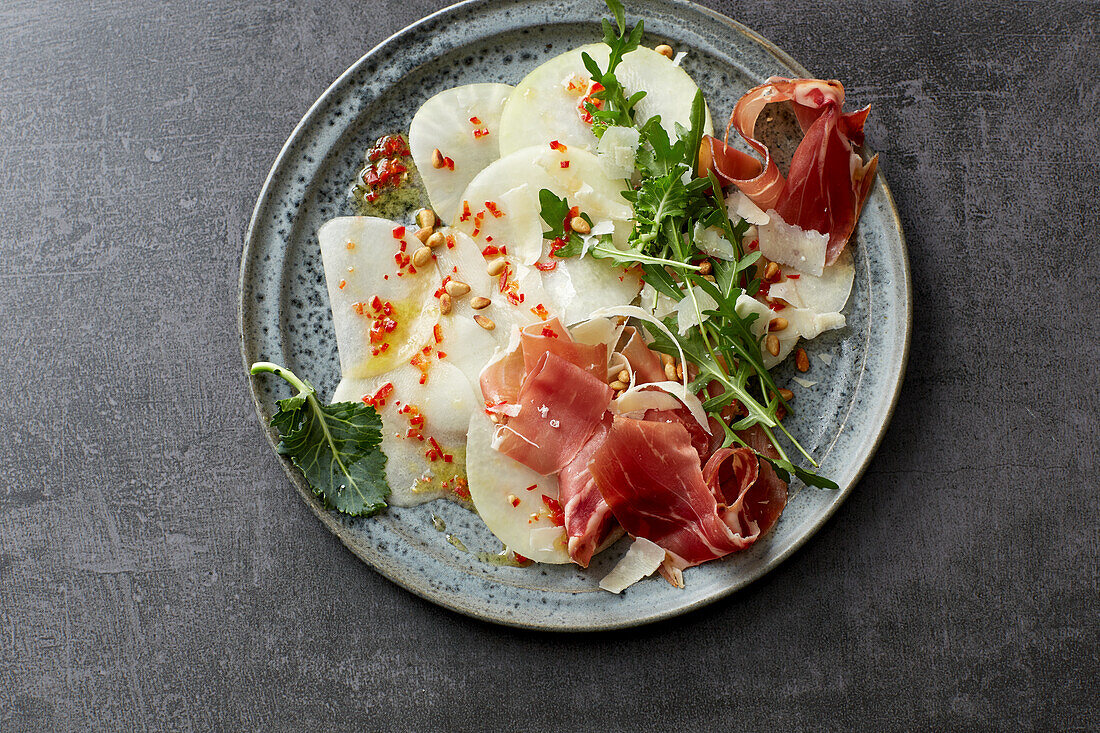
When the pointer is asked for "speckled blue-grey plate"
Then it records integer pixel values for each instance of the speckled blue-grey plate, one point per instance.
(285, 317)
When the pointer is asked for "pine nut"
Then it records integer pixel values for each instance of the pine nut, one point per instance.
(666, 359)
(679, 371)
(786, 394)
(771, 272)
(457, 288)
(665, 50)
(705, 267)
(778, 324)
(422, 234)
(422, 256)
(479, 302)
(772, 342)
(617, 386)
(801, 360)
(437, 159)
(486, 323)
(623, 376)
(426, 218)
(670, 372)
(579, 225)
(493, 416)
(436, 240)
(444, 303)
(496, 267)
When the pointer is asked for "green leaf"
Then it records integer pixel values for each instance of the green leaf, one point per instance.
(336, 447)
(784, 469)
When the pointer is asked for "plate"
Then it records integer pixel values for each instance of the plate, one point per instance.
(284, 310)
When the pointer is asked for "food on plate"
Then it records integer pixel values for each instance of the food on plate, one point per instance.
(574, 339)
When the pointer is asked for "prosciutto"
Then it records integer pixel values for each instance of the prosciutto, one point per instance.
(551, 336)
(644, 363)
(827, 183)
(560, 406)
(649, 474)
(588, 518)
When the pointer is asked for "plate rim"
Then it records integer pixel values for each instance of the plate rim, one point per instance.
(471, 611)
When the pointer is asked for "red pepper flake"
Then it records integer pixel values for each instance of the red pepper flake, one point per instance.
(465, 211)
(342, 284)
(549, 333)
(350, 245)
(461, 488)
(475, 121)
(540, 311)
(423, 365)
(515, 501)
(358, 308)
(557, 516)
(379, 398)
(398, 232)
(448, 458)
(387, 308)
(490, 251)
(377, 334)
(376, 304)
(520, 558)
(555, 145)
(754, 245)
(793, 277)
(441, 354)
(492, 207)
(437, 331)
(480, 133)
(546, 266)
(565, 164)
(557, 244)
(777, 306)
(451, 244)
(478, 218)
(449, 163)
(532, 487)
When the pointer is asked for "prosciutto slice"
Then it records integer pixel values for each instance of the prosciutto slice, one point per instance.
(539, 338)
(649, 474)
(588, 518)
(644, 363)
(560, 406)
(827, 183)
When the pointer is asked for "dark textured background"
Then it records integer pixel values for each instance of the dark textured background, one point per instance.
(158, 572)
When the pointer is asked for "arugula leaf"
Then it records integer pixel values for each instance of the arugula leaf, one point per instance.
(335, 446)
(555, 212)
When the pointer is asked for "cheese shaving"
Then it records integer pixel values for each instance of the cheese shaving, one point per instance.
(641, 560)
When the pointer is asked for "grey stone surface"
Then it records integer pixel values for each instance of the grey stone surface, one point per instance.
(158, 573)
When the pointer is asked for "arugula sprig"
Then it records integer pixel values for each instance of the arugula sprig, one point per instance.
(670, 198)
(335, 446)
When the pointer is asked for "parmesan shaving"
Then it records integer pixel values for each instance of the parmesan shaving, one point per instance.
(641, 560)
(826, 359)
(803, 382)
(740, 206)
(633, 311)
(792, 245)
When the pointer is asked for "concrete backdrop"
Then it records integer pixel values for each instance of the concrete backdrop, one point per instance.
(157, 572)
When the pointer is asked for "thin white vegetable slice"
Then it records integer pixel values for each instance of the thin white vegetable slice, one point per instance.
(446, 123)
(825, 294)
(641, 560)
(501, 489)
(358, 255)
(445, 401)
(548, 103)
(503, 200)
(660, 396)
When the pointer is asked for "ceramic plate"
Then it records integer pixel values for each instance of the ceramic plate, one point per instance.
(284, 310)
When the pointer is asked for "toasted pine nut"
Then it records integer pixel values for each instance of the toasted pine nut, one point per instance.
(786, 394)
(423, 233)
(426, 218)
(771, 272)
(479, 302)
(437, 159)
(496, 267)
(457, 288)
(670, 372)
(705, 267)
(486, 323)
(679, 370)
(422, 256)
(623, 376)
(665, 50)
(772, 342)
(801, 360)
(579, 225)
(494, 417)
(666, 359)
(444, 303)
(778, 324)
(617, 386)
(709, 278)
(436, 241)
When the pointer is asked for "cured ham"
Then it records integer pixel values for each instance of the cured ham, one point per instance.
(588, 518)
(828, 181)
(560, 406)
(649, 473)
(539, 338)
(645, 365)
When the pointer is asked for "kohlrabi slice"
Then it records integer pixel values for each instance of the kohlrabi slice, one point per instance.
(508, 497)
(501, 205)
(462, 123)
(358, 254)
(416, 470)
(549, 103)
